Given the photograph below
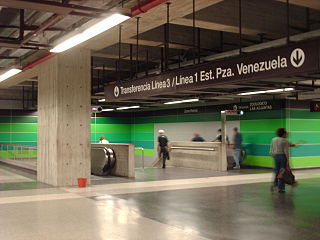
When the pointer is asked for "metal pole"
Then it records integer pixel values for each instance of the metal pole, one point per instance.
(119, 61)
(161, 59)
(32, 94)
(194, 30)
(98, 80)
(142, 152)
(131, 62)
(92, 89)
(166, 37)
(165, 46)
(224, 163)
(288, 21)
(199, 46)
(137, 46)
(147, 65)
(103, 76)
(22, 97)
(240, 27)
(21, 28)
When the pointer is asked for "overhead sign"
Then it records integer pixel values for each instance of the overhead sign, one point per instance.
(315, 107)
(276, 62)
(264, 105)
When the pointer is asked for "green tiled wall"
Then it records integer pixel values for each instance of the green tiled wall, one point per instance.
(303, 127)
(258, 128)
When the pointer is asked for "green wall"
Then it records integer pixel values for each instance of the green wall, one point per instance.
(258, 129)
(20, 130)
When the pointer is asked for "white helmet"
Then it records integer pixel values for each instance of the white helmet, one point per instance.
(161, 131)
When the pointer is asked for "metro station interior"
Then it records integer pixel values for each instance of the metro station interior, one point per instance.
(156, 119)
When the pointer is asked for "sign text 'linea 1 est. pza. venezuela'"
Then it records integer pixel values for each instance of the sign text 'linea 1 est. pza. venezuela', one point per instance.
(282, 61)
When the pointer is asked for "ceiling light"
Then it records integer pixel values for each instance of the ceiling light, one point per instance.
(124, 108)
(9, 74)
(267, 91)
(183, 101)
(91, 32)
(107, 110)
(102, 100)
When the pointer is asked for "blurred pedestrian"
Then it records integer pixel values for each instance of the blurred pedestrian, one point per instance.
(197, 138)
(237, 147)
(280, 152)
(163, 149)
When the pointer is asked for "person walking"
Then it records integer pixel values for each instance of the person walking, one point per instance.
(279, 150)
(163, 147)
(237, 147)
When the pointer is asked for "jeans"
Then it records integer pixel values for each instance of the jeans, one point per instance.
(163, 155)
(237, 156)
(280, 161)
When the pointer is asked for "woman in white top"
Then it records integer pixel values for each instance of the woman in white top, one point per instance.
(280, 152)
(103, 140)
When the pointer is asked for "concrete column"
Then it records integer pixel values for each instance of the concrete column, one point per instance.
(64, 118)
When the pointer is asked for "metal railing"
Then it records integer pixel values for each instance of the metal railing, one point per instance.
(142, 155)
(194, 148)
(17, 151)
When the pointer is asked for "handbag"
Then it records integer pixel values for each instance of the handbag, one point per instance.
(287, 177)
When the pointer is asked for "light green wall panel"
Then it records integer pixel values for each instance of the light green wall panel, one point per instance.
(305, 125)
(28, 127)
(111, 128)
(267, 125)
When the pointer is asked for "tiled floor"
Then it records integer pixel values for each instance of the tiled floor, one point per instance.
(222, 207)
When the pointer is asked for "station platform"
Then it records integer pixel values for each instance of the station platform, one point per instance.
(172, 203)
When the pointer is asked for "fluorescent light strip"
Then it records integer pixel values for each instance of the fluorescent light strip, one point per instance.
(267, 91)
(9, 74)
(107, 110)
(91, 32)
(183, 101)
(102, 100)
(124, 108)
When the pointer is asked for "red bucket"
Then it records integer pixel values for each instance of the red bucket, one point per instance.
(82, 182)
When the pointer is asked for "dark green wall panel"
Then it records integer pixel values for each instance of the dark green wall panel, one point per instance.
(302, 114)
(108, 120)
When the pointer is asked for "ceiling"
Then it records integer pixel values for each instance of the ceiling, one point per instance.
(28, 29)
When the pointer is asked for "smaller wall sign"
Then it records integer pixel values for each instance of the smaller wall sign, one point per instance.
(96, 109)
(315, 107)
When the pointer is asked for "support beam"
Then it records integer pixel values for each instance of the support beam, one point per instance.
(314, 4)
(48, 6)
(64, 118)
(150, 20)
(155, 43)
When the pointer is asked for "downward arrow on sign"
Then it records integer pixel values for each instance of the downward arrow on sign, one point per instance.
(297, 58)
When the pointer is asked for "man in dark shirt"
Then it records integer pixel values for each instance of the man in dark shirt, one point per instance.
(163, 147)
(197, 138)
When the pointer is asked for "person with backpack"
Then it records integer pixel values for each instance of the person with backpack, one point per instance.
(163, 149)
